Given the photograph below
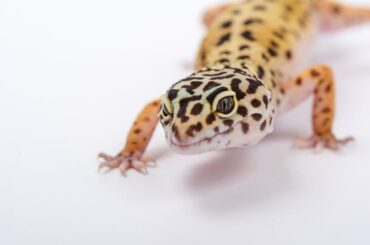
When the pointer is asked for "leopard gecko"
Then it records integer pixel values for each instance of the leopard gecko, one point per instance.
(246, 75)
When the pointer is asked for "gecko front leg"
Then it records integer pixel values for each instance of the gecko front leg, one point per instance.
(131, 157)
(317, 80)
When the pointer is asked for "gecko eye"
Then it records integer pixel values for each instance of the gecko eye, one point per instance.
(167, 109)
(225, 104)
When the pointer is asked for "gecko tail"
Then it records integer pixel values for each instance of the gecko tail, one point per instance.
(335, 16)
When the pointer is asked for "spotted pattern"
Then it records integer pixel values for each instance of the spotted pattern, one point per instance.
(246, 53)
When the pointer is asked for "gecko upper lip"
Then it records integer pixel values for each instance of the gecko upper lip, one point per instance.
(203, 140)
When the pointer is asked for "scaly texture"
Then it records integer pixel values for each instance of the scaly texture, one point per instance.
(246, 75)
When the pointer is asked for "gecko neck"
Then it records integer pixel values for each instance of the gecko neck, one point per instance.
(251, 59)
(248, 67)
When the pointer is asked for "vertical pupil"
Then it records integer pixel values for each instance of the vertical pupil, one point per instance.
(226, 105)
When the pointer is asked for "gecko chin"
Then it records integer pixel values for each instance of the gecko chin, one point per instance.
(204, 145)
(230, 138)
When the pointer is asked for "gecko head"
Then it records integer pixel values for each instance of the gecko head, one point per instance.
(215, 109)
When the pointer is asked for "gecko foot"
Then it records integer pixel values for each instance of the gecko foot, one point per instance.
(125, 162)
(319, 143)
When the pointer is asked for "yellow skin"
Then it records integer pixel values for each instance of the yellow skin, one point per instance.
(246, 75)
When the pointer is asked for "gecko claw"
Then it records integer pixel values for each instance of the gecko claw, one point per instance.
(124, 167)
(125, 162)
(319, 143)
(105, 157)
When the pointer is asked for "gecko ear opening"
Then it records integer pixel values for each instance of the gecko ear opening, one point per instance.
(225, 104)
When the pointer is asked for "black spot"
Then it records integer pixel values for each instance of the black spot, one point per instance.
(272, 52)
(256, 103)
(326, 110)
(228, 122)
(328, 88)
(183, 106)
(248, 35)
(197, 109)
(264, 56)
(259, 8)
(214, 74)
(242, 111)
(240, 71)
(175, 131)
(227, 24)
(315, 73)
(172, 94)
(265, 101)
(245, 127)
(212, 96)
(194, 128)
(257, 117)
(137, 131)
(223, 61)
(210, 85)
(243, 47)
(165, 123)
(336, 9)
(225, 52)
(235, 87)
(223, 39)
(217, 130)
(210, 119)
(253, 86)
(299, 81)
(278, 34)
(203, 55)
(192, 86)
(274, 44)
(273, 83)
(288, 54)
(289, 8)
(260, 72)
(253, 21)
(244, 57)
(223, 77)
(263, 125)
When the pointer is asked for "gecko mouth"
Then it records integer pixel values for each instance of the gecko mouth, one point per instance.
(209, 139)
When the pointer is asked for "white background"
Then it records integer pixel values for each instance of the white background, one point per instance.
(73, 75)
